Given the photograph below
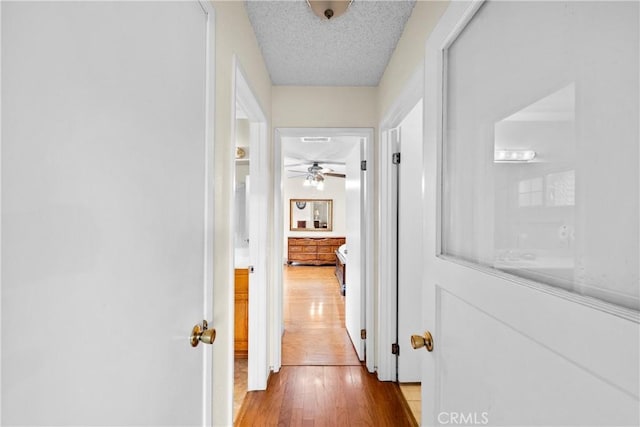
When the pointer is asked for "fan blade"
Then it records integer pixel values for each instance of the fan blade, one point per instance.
(295, 165)
(337, 175)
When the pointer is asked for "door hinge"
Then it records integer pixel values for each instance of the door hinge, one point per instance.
(395, 349)
(395, 158)
(363, 334)
(363, 165)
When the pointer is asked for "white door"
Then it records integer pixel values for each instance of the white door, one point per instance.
(254, 168)
(106, 216)
(354, 294)
(531, 273)
(410, 251)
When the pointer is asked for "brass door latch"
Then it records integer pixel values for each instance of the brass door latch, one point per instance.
(425, 341)
(202, 333)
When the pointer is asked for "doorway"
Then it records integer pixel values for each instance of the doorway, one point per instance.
(401, 253)
(250, 235)
(358, 301)
(401, 218)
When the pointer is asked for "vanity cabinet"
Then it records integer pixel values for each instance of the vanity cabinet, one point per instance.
(241, 335)
(313, 250)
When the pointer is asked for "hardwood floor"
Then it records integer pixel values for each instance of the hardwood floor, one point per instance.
(325, 396)
(412, 393)
(321, 382)
(313, 311)
(239, 385)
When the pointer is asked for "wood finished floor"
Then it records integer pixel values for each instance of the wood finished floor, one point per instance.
(322, 382)
(313, 311)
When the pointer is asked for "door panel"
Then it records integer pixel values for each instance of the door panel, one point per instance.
(522, 360)
(104, 193)
(410, 250)
(354, 294)
(531, 350)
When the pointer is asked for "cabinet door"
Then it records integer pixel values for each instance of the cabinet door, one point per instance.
(241, 313)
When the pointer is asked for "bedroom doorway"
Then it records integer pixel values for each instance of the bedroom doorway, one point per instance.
(338, 155)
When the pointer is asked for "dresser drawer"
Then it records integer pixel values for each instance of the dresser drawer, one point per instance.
(303, 257)
(331, 257)
(325, 249)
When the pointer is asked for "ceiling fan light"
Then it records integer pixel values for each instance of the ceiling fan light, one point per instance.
(508, 155)
(320, 185)
(327, 9)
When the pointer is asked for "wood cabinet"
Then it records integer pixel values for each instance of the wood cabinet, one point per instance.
(241, 335)
(313, 250)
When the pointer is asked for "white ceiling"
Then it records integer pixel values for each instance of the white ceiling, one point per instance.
(332, 154)
(302, 49)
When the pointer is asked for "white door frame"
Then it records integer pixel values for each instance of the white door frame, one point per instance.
(410, 95)
(276, 321)
(258, 369)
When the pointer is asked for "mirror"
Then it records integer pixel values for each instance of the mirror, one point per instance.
(310, 214)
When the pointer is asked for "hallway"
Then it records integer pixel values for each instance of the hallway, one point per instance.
(314, 319)
(321, 381)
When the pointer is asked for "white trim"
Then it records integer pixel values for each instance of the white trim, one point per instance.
(209, 211)
(409, 96)
(0, 203)
(276, 320)
(368, 243)
(258, 368)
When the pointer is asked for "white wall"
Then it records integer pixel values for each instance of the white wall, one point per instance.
(319, 107)
(234, 36)
(409, 51)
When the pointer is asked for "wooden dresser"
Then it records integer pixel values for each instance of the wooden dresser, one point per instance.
(313, 250)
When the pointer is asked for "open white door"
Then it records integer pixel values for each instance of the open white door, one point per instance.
(354, 312)
(410, 256)
(106, 212)
(257, 227)
(531, 279)
(400, 254)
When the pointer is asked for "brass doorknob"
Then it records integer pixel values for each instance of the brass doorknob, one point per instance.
(425, 341)
(202, 333)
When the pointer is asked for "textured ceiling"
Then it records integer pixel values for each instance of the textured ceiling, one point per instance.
(331, 154)
(301, 49)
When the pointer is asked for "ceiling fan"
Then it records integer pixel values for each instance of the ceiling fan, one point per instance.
(314, 169)
(314, 174)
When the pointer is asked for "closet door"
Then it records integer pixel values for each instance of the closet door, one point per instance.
(531, 275)
(106, 213)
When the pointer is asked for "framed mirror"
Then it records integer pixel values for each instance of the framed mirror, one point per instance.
(311, 214)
